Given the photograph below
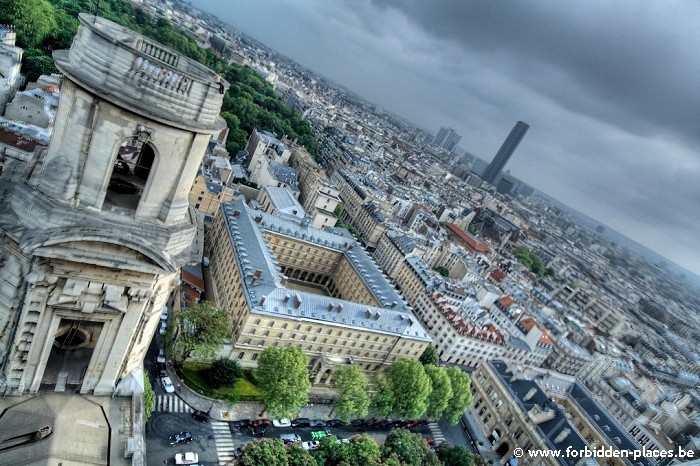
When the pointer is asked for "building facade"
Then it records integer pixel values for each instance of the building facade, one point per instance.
(94, 233)
(292, 285)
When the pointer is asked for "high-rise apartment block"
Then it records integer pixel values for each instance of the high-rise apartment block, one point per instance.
(504, 153)
(447, 138)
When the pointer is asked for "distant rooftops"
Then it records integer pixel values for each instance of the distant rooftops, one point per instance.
(467, 238)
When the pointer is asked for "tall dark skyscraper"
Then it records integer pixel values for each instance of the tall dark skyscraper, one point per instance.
(511, 143)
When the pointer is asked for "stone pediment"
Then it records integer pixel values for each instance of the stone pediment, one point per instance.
(107, 248)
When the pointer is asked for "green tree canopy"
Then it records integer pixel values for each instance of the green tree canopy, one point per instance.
(409, 448)
(351, 386)
(149, 398)
(459, 455)
(282, 377)
(462, 397)
(201, 331)
(297, 456)
(442, 391)
(444, 271)
(223, 372)
(429, 356)
(383, 397)
(411, 387)
(268, 452)
(34, 20)
(362, 450)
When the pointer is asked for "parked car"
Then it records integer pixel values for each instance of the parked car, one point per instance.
(290, 438)
(317, 423)
(262, 423)
(311, 445)
(238, 452)
(281, 422)
(335, 423)
(167, 384)
(358, 423)
(241, 424)
(162, 372)
(258, 431)
(163, 328)
(161, 357)
(164, 313)
(187, 458)
(200, 416)
(181, 438)
(301, 422)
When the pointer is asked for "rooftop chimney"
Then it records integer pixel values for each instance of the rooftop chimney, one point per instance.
(298, 301)
(530, 394)
(562, 435)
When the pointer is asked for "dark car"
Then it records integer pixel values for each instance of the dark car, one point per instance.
(301, 422)
(241, 424)
(258, 431)
(162, 373)
(317, 423)
(262, 423)
(383, 424)
(358, 423)
(181, 439)
(335, 423)
(237, 453)
(200, 416)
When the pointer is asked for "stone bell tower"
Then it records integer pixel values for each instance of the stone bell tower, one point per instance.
(93, 232)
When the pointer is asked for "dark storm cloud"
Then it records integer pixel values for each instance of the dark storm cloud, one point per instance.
(608, 88)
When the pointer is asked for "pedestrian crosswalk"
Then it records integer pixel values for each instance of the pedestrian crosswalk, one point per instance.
(171, 404)
(224, 441)
(436, 432)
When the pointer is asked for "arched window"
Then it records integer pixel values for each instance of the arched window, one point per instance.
(130, 174)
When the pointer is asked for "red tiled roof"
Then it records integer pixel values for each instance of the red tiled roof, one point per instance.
(505, 301)
(498, 275)
(193, 280)
(468, 239)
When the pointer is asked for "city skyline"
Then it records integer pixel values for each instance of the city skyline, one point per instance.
(612, 133)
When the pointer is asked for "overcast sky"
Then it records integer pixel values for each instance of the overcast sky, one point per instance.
(611, 91)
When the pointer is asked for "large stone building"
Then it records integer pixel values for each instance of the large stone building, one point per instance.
(289, 284)
(94, 233)
(531, 409)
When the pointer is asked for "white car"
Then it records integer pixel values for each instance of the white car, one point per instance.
(281, 422)
(163, 328)
(186, 458)
(164, 313)
(168, 387)
(161, 357)
(310, 445)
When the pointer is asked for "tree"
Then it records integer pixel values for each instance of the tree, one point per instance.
(36, 63)
(383, 399)
(283, 379)
(223, 372)
(410, 386)
(442, 391)
(462, 397)
(201, 331)
(351, 385)
(362, 450)
(297, 456)
(33, 20)
(429, 356)
(459, 455)
(409, 448)
(149, 398)
(444, 271)
(270, 452)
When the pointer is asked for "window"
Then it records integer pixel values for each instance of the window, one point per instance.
(255, 357)
(240, 355)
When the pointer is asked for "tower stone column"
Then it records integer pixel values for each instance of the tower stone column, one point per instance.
(95, 230)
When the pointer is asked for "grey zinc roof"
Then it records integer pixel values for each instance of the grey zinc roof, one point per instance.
(283, 200)
(402, 241)
(266, 294)
(283, 173)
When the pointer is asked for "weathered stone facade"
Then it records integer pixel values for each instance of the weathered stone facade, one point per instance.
(93, 233)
